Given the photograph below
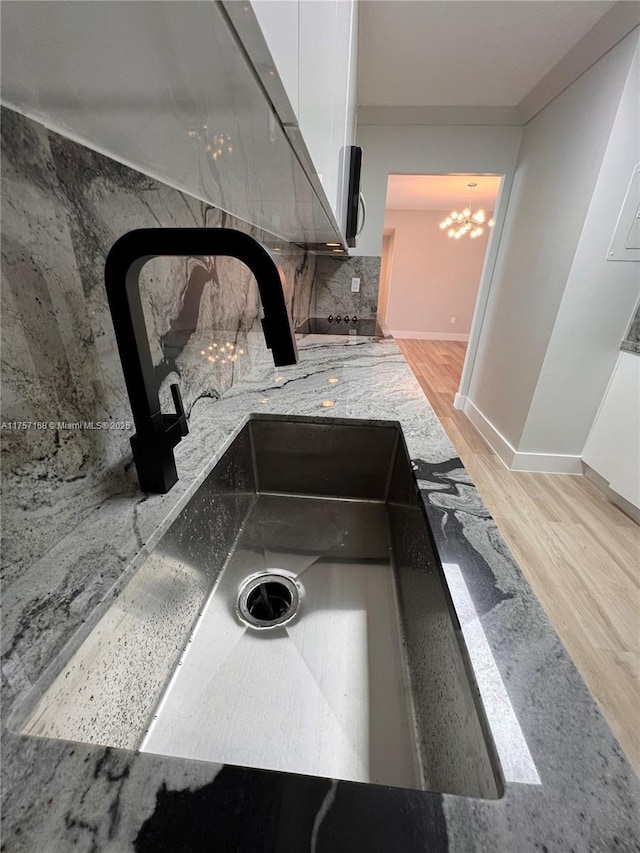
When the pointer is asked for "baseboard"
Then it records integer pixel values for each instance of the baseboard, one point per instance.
(431, 336)
(539, 463)
(547, 463)
(491, 435)
(458, 401)
(603, 486)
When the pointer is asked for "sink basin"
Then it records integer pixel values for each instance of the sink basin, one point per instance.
(294, 617)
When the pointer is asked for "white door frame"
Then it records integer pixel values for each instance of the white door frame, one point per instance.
(484, 290)
(486, 279)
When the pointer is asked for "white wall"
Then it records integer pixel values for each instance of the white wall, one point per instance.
(561, 156)
(433, 276)
(429, 149)
(436, 149)
(386, 267)
(598, 301)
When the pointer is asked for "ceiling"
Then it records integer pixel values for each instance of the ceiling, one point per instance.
(441, 192)
(464, 52)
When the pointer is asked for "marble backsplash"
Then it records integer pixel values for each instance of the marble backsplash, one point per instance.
(63, 207)
(332, 291)
(631, 342)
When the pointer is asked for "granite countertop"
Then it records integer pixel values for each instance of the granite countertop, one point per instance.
(568, 786)
(631, 342)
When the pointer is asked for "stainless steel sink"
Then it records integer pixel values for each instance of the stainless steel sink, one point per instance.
(294, 617)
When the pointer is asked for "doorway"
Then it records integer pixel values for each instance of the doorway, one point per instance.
(435, 238)
(437, 232)
(386, 266)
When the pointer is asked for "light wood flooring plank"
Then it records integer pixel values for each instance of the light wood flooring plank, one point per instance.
(579, 552)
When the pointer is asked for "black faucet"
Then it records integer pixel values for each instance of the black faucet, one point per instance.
(157, 434)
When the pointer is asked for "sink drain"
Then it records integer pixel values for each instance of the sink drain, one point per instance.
(268, 600)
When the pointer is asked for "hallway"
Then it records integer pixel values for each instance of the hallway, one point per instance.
(578, 551)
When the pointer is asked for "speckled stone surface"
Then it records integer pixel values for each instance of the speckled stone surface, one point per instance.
(631, 342)
(60, 796)
(332, 291)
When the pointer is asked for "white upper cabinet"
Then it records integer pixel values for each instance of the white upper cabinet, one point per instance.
(304, 52)
(326, 68)
(613, 446)
(167, 89)
(279, 22)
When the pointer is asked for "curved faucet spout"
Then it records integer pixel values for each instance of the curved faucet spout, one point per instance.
(157, 434)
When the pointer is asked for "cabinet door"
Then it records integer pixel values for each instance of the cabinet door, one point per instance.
(613, 446)
(279, 21)
(326, 70)
(154, 85)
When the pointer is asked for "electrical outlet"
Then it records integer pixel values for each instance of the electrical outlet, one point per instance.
(453, 321)
(355, 285)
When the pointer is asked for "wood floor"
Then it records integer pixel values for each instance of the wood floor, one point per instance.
(579, 552)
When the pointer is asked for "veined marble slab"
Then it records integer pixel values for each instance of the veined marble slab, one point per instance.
(63, 207)
(333, 294)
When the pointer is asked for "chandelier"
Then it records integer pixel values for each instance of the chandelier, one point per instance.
(462, 222)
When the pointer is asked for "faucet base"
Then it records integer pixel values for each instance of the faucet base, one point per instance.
(157, 472)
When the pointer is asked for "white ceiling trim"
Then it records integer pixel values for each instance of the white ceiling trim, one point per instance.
(401, 115)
